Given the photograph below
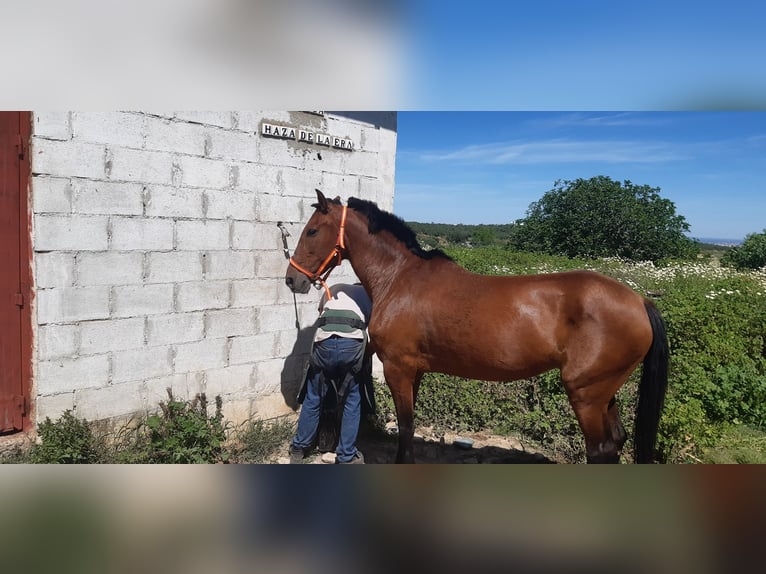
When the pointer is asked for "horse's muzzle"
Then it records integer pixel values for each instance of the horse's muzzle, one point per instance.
(297, 283)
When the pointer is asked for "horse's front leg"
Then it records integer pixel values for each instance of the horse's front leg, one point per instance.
(403, 384)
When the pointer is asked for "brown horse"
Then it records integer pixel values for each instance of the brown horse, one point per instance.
(430, 314)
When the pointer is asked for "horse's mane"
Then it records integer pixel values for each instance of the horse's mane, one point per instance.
(379, 220)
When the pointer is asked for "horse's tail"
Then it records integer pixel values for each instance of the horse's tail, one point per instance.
(651, 392)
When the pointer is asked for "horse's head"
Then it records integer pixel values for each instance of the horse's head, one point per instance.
(319, 246)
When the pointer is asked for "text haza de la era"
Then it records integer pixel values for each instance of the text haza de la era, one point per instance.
(292, 133)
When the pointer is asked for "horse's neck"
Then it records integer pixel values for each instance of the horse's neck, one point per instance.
(377, 259)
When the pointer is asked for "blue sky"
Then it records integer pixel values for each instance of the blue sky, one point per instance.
(487, 167)
(586, 55)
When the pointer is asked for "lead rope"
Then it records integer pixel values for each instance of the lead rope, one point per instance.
(285, 235)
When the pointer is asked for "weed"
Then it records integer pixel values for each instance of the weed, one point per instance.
(68, 440)
(182, 433)
(258, 441)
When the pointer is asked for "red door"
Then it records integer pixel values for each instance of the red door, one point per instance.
(14, 270)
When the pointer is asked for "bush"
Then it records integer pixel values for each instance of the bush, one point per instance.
(600, 217)
(181, 433)
(67, 441)
(750, 255)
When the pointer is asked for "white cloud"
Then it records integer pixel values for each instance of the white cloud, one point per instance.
(563, 151)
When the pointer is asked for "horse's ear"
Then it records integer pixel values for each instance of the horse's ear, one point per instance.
(337, 199)
(321, 204)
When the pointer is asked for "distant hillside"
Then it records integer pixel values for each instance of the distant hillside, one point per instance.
(444, 234)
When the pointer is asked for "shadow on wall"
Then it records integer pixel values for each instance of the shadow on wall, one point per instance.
(296, 363)
(385, 120)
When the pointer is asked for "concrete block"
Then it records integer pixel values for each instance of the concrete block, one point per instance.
(53, 269)
(231, 204)
(135, 300)
(275, 318)
(254, 292)
(155, 390)
(66, 375)
(53, 406)
(56, 341)
(229, 323)
(228, 380)
(283, 153)
(68, 158)
(236, 145)
(371, 190)
(201, 295)
(308, 311)
(111, 335)
(271, 406)
(175, 137)
(104, 197)
(334, 184)
(69, 305)
(301, 182)
(202, 235)
(140, 364)
(220, 119)
(259, 178)
(328, 161)
(114, 128)
(251, 349)
(229, 265)
(112, 401)
(202, 355)
(272, 264)
(274, 208)
(290, 342)
(370, 141)
(263, 236)
(268, 376)
(236, 410)
(175, 328)
(142, 166)
(70, 233)
(109, 268)
(141, 234)
(52, 125)
(362, 163)
(174, 202)
(203, 172)
(51, 195)
(175, 266)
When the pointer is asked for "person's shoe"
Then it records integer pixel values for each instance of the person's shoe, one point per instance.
(357, 459)
(297, 455)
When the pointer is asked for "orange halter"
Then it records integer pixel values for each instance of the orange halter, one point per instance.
(336, 254)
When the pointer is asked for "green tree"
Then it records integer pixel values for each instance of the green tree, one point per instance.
(600, 217)
(750, 255)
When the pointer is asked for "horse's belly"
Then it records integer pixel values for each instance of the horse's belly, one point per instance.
(492, 363)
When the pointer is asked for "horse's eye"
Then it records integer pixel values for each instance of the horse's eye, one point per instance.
(311, 232)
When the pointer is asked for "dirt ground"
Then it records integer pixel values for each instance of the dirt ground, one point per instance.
(449, 448)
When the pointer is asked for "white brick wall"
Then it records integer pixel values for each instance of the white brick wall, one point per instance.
(109, 268)
(70, 233)
(141, 234)
(157, 261)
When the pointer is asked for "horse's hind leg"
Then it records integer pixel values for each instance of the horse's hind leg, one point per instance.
(619, 436)
(596, 410)
(600, 446)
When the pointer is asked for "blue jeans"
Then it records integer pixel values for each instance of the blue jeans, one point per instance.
(335, 356)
